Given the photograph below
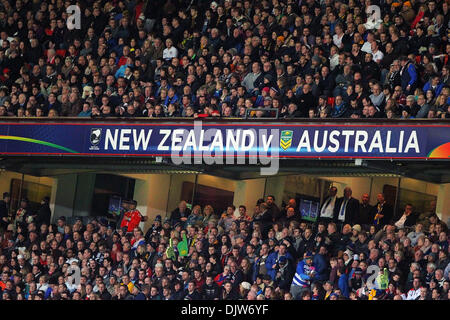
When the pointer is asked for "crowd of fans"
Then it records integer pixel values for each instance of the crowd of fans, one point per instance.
(223, 58)
(353, 251)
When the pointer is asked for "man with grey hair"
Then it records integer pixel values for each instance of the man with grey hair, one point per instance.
(346, 209)
(253, 77)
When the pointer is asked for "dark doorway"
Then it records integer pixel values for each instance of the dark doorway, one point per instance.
(108, 186)
(219, 199)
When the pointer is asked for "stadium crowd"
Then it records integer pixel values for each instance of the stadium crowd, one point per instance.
(190, 58)
(354, 251)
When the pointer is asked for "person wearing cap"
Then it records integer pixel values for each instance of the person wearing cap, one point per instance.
(285, 273)
(273, 261)
(154, 229)
(303, 276)
(4, 210)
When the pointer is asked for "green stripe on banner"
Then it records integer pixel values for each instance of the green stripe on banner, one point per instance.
(45, 143)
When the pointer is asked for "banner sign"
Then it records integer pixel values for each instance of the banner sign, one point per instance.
(227, 139)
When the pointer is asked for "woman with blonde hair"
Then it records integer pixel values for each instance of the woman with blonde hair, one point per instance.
(208, 215)
(441, 104)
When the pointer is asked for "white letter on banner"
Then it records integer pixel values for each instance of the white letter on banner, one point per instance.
(376, 142)
(266, 139)
(361, 143)
(141, 139)
(109, 139)
(166, 134)
(273, 159)
(324, 141)
(251, 134)
(413, 142)
(304, 142)
(400, 141)
(123, 139)
(253, 146)
(217, 142)
(177, 138)
(334, 141)
(347, 134)
(233, 139)
(190, 141)
(389, 149)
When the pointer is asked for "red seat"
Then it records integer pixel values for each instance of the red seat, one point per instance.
(61, 53)
(330, 101)
(418, 59)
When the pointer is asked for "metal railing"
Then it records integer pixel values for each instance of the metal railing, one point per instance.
(250, 110)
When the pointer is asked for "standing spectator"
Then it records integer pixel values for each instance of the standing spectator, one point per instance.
(4, 211)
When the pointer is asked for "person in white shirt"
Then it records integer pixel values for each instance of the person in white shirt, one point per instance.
(377, 55)
(339, 35)
(327, 209)
(367, 46)
(414, 292)
(170, 51)
(401, 222)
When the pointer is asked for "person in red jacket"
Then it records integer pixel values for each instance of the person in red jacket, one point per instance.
(131, 218)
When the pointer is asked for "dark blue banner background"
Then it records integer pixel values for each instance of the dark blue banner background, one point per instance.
(428, 141)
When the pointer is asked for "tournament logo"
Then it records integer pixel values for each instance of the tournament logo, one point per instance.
(286, 139)
(96, 134)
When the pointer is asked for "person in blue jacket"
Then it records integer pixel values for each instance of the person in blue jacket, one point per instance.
(272, 262)
(408, 75)
(343, 282)
(434, 84)
(303, 277)
(321, 264)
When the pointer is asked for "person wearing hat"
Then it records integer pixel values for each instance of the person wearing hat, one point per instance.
(273, 261)
(4, 210)
(285, 272)
(154, 229)
(303, 276)
(357, 228)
